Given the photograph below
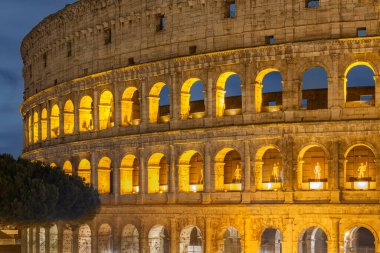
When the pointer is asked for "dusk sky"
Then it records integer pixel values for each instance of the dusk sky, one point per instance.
(18, 17)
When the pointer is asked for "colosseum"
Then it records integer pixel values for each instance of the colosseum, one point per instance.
(197, 123)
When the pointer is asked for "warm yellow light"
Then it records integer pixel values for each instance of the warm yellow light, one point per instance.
(361, 185)
(196, 187)
(268, 186)
(136, 189)
(316, 185)
(233, 187)
(163, 188)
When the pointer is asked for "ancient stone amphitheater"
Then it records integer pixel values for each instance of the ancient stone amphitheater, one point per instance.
(293, 169)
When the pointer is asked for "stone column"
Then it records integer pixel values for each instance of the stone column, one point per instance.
(210, 94)
(59, 239)
(258, 97)
(172, 176)
(252, 242)
(61, 119)
(39, 123)
(175, 98)
(144, 240)
(144, 104)
(258, 175)
(219, 176)
(287, 243)
(76, 102)
(342, 173)
(376, 78)
(207, 169)
(300, 174)
(208, 235)
(219, 102)
(94, 171)
(333, 243)
(173, 236)
(247, 170)
(117, 105)
(75, 239)
(183, 177)
(153, 109)
(116, 175)
(95, 110)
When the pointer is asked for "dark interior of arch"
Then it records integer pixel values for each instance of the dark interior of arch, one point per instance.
(360, 85)
(233, 92)
(272, 89)
(314, 89)
(164, 103)
(197, 97)
(363, 240)
(271, 241)
(195, 237)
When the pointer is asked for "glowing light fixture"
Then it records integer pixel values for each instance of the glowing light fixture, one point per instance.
(268, 186)
(136, 189)
(193, 188)
(361, 185)
(316, 185)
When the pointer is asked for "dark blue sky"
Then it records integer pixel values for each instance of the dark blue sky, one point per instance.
(18, 17)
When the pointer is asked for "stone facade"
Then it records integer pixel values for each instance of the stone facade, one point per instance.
(204, 180)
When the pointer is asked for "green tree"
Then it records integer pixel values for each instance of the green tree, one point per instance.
(34, 193)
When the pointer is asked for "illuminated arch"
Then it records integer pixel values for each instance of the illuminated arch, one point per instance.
(191, 240)
(104, 175)
(84, 170)
(314, 89)
(186, 106)
(85, 114)
(230, 241)
(130, 107)
(190, 172)
(158, 173)
(30, 130)
(54, 122)
(155, 115)
(53, 239)
(84, 239)
(130, 239)
(42, 237)
(269, 173)
(358, 95)
(159, 240)
(44, 123)
(228, 170)
(35, 127)
(359, 239)
(129, 175)
(312, 168)
(221, 102)
(68, 117)
(271, 240)
(360, 168)
(67, 167)
(105, 238)
(313, 240)
(269, 101)
(106, 110)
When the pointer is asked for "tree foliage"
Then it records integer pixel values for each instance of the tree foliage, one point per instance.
(34, 193)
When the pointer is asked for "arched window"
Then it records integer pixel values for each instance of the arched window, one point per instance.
(360, 168)
(68, 117)
(42, 240)
(192, 99)
(268, 91)
(190, 240)
(105, 239)
(359, 85)
(269, 173)
(228, 95)
(68, 167)
(159, 241)
(130, 107)
(158, 173)
(159, 103)
(35, 127)
(312, 171)
(130, 239)
(67, 240)
(85, 114)
(53, 239)
(129, 175)
(271, 241)
(190, 172)
(84, 239)
(359, 239)
(84, 170)
(104, 176)
(44, 130)
(313, 240)
(228, 170)
(106, 110)
(232, 241)
(314, 89)
(54, 122)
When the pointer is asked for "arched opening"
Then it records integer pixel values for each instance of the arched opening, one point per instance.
(68, 117)
(53, 239)
(228, 170)
(268, 91)
(312, 240)
(35, 127)
(314, 89)
(42, 240)
(158, 173)
(359, 85)
(54, 122)
(130, 107)
(104, 176)
(130, 239)
(190, 172)
(231, 241)
(159, 241)
(192, 99)
(129, 175)
(53, 165)
(106, 110)
(84, 239)
(44, 129)
(312, 171)
(269, 172)
(360, 168)
(68, 167)
(359, 239)
(105, 239)
(228, 95)
(84, 170)
(190, 240)
(271, 240)
(159, 103)
(30, 130)
(67, 240)
(85, 114)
